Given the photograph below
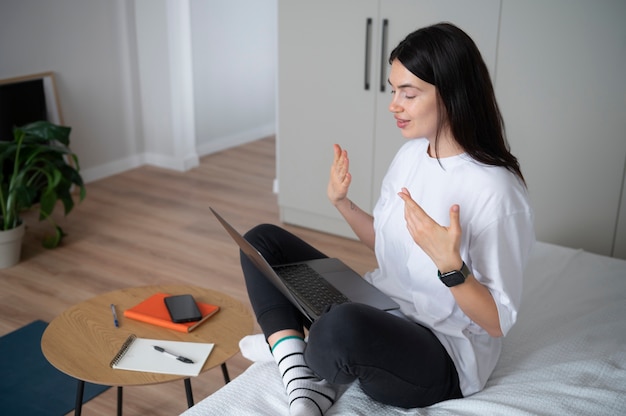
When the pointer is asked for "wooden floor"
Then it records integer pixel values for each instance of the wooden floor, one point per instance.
(153, 226)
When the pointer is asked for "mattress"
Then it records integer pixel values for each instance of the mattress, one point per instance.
(566, 355)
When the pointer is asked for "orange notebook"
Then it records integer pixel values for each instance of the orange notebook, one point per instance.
(154, 311)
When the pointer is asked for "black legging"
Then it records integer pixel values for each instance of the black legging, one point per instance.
(396, 361)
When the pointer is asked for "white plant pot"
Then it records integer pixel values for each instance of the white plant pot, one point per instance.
(11, 246)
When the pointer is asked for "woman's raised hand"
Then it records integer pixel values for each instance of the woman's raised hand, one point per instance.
(440, 243)
(340, 177)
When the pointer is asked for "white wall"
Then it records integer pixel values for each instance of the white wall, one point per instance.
(163, 38)
(234, 71)
(125, 74)
(85, 44)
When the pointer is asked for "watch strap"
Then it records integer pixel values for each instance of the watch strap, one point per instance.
(455, 277)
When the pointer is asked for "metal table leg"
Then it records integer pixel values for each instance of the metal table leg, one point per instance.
(120, 394)
(188, 392)
(80, 389)
(225, 373)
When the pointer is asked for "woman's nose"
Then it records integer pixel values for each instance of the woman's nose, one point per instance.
(394, 107)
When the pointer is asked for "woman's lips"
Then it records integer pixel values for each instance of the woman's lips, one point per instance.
(401, 123)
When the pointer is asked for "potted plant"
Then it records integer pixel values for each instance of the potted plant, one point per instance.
(37, 169)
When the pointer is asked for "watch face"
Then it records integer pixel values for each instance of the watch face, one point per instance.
(453, 278)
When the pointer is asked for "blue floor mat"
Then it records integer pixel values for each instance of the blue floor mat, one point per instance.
(29, 384)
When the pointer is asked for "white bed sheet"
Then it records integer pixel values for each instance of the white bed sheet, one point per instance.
(565, 356)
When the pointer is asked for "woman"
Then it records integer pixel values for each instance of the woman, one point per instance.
(452, 232)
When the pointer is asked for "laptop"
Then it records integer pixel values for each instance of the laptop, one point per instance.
(331, 277)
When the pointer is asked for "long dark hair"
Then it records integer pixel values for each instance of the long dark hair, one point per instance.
(446, 57)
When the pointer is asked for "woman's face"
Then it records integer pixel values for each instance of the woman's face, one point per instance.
(413, 104)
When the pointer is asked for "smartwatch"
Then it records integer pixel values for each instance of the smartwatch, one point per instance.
(455, 277)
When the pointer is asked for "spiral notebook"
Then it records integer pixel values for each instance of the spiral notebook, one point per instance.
(139, 354)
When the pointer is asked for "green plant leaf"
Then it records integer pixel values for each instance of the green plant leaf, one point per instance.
(48, 132)
(53, 240)
(47, 202)
(38, 169)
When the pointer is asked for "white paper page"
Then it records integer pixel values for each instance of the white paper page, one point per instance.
(141, 356)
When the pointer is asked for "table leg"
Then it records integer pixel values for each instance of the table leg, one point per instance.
(225, 373)
(189, 392)
(80, 388)
(120, 394)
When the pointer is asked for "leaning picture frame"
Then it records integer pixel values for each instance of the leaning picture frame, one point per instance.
(29, 98)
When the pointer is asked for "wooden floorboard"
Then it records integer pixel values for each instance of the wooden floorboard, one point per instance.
(153, 226)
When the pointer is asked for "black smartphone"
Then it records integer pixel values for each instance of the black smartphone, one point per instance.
(182, 308)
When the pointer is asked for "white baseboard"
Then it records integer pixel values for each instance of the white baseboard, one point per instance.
(223, 143)
(112, 168)
(168, 162)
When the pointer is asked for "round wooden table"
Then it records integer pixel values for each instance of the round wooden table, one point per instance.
(82, 341)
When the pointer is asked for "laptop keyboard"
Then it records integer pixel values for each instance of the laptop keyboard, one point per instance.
(310, 286)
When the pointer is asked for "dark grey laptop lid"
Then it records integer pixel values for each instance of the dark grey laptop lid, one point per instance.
(342, 277)
(258, 260)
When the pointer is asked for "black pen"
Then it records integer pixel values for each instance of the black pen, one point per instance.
(178, 357)
(115, 321)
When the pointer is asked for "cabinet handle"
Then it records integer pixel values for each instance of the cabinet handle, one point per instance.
(368, 38)
(383, 55)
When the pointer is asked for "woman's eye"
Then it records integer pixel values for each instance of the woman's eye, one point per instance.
(403, 94)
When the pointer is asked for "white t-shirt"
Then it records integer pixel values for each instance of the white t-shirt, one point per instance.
(498, 234)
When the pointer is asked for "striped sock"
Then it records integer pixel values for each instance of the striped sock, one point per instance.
(307, 393)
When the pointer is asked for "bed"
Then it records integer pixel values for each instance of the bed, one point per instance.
(565, 356)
